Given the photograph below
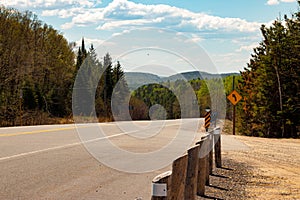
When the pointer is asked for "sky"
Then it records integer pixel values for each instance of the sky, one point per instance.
(216, 36)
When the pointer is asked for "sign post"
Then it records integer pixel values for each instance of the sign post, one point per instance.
(234, 97)
(207, 119)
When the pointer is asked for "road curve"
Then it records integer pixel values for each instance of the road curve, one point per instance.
(51, 162)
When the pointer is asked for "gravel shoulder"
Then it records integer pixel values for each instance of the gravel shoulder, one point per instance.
(270, 169)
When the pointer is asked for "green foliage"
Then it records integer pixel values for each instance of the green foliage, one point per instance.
(37, 67)
(270, 83)
(164, 95)
(98, 79)
(37, 61)
(153, 94)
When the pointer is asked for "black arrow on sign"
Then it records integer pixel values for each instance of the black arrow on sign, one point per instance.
(233, 95)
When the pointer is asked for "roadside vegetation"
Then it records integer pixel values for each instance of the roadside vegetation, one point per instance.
(38, 67)
(270, 84)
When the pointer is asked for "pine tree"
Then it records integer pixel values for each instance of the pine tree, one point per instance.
(82, 54)
(121, 93)
(108, 83)
(117, 73)
(79, 59)
(270, 84)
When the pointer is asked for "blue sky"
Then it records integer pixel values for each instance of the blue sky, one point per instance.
(226, 30)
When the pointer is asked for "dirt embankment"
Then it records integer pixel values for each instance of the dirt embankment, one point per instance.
(275, 166)
(269, 170)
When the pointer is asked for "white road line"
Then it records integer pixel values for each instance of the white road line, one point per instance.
(68, 145)
(39, 151)
(59, 147)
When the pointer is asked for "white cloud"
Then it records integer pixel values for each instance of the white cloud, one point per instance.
(49, 4)
(247, 48)
(62, 13)
(123, 23)
(273, 2)
(196, 38)
(89, 41)
(121, 33)
(66, 26)
(276, 2)
(230, 62)
(123, 14)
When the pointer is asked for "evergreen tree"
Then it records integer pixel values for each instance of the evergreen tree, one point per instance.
(121, 92)
(117, 73)
(79, 59)
(270, 83)
(107, 84)
(82, 54)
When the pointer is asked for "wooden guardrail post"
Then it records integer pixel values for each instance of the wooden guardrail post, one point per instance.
(211, 147)
(160, 186)
(204, 152)
(202, 168)
(179, 171)
(217, 141)
(192, 173)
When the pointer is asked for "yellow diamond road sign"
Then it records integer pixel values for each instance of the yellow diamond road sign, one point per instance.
(234, 97)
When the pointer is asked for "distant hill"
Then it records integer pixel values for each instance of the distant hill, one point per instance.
(137, 79)
(195, 75)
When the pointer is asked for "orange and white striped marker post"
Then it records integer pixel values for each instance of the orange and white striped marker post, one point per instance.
(207, 119)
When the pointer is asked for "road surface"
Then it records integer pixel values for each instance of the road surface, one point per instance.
(51, 162)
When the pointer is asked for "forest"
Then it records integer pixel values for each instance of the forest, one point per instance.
(270, 82)
(38, 69)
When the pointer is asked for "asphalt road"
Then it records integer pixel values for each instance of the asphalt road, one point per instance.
(53, 162)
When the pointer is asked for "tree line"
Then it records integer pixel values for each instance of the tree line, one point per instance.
(38, 67)
(270, 83)
(95, 83)
(176, 98)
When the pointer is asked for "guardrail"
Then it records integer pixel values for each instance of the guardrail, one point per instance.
(190, 172)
